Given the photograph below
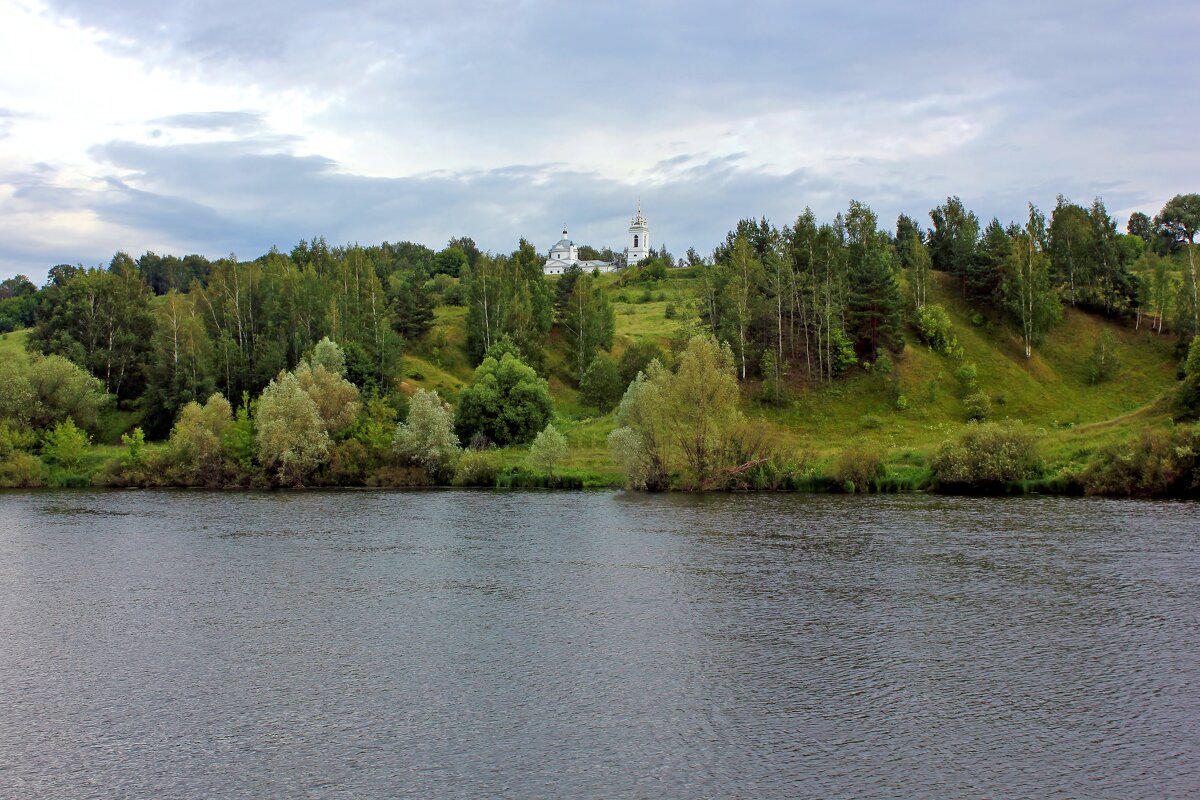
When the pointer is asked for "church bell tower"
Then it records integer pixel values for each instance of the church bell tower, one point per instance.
(639, 238)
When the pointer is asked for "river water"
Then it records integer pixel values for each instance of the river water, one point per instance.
(541, 644)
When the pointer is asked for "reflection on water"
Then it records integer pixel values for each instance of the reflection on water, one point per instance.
(549, 644)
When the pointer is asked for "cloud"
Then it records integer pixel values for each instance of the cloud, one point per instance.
(238, 126)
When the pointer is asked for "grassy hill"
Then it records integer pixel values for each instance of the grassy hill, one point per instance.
(1050, 392)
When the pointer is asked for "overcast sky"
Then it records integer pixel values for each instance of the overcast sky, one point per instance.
(218, 126)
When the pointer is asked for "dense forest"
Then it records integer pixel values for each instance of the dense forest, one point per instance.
(290, 369)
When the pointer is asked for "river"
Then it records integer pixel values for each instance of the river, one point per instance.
(543, 644)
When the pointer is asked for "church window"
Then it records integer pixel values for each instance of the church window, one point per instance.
(635, 240)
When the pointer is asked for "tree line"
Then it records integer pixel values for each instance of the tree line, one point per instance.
(812, 299)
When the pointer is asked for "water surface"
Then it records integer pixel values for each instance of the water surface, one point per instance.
(462, 644)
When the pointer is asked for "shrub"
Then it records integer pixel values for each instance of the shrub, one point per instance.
(978, 406)
(1157, 464)
(348, 463)
(549, 450)
(22, 470)
(987, 456)
(934, 328)
(1103, 363)
(196, 443)
(427, 437)
(327, 354)
(844, 356)
(1189, 390)
(670, 311)
(901, 403)
(637, 358)
(859, 467)
(477, 468)
(967, 376)
(291, 436)
(506, 401)
(66, 445)
(871, 421)
(601, 386)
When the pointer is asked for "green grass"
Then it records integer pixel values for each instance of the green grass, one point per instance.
(1049, 391)
(12, 345)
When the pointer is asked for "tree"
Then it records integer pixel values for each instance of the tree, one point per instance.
(953, 237)
(291, 436)
(588, 324)
(197, 439)
(637, 358)
(745, 277)
(1179, 221)
(326, 353)
(1140, 225)
(47, 390)
(919, 265)
(180, 370)
(66, 445)
(548, 450)
(697, 404)
(1104, 362)
(601, 385)
(451, 261)
(873, 303)
(1189, 390)
(1028, 290)
(506, 401)
(101, 320)
(335, 397)
(427, 436)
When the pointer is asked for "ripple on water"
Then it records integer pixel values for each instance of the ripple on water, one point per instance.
(482, 644)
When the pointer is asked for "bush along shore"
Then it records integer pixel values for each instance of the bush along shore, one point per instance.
(679, 428)
(1050, 355)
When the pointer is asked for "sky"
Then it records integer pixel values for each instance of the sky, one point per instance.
(220, 126)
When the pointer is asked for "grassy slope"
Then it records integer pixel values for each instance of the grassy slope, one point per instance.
(1050, 392)
(12, 345)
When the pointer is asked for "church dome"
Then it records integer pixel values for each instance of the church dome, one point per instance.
(563, 243)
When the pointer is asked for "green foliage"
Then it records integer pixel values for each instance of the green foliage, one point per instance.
(601, 386)
(47, 390)
(687, 420)
(1103, 364)
(843, 356)
(65, 445)
(477, 468)
(588, 323)
(934, 329)
(1156, 464)
(637, 358)
(240, 442)
(987, 456)
(100, 320)
(548, 450)
(326, 353)
(774, 390)
(19, 468)
(426, 437)
(197, 441)
(506, 401)
(291, 435)
(977, 406)
(967, 375)
(335, 397)
(858, 468)
(1189, 389)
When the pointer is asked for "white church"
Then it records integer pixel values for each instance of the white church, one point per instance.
(565, 254)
